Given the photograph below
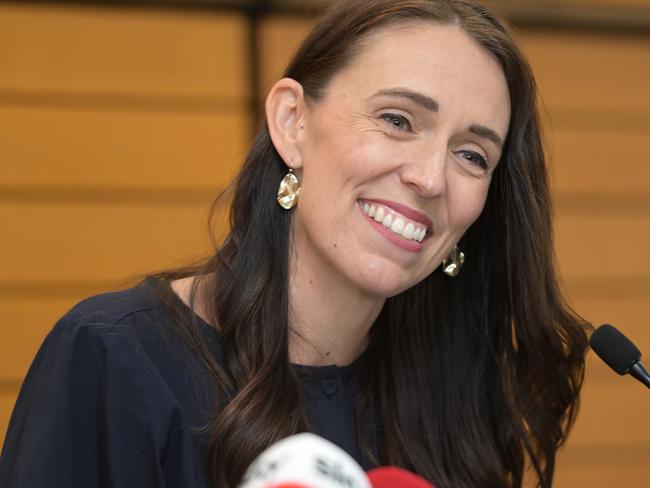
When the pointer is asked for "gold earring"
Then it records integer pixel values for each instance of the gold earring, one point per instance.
(453, 262)
(288, 191)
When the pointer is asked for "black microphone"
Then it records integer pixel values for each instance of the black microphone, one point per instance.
(618, 352)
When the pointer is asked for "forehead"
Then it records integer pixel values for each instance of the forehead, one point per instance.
(438, 60)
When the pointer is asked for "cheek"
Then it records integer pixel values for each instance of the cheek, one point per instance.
(347, 144)
(467, 205)
(333, 174)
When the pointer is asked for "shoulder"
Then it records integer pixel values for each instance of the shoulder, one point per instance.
(119, 350)
(137, 316)
(110, 331)
(129, 338)
(107, 393)
(107, 326)
(113, 309)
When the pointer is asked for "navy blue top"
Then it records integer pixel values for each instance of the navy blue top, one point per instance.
(110, 401)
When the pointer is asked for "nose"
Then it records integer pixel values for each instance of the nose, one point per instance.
(425, 173)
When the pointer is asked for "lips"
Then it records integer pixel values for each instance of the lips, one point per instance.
(399, 224)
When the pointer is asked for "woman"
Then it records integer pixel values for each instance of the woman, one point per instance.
(403, 138)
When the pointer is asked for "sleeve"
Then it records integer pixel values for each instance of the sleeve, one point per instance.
(93, 412)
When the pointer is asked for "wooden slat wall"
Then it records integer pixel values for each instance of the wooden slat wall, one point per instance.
(606, 3)
(117, 129)
(130, 133)
(595, 92)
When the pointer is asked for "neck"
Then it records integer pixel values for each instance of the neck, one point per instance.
(327, 326)
(329, 318)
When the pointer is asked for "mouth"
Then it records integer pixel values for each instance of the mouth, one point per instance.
(397, 223)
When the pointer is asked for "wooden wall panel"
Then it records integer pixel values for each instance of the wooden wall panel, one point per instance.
(93, 50)
(604, 163)
(628, 311)
(118, 126)
(603, 246)
(592, 72)
(610, 443)
(129, 149)
(59, 242)
(606, 473)
(280, 38)
(612, 415)
(607, 3)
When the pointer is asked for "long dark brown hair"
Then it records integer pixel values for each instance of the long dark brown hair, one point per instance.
(474, 379)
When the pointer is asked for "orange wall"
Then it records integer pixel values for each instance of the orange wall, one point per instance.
(118, 126)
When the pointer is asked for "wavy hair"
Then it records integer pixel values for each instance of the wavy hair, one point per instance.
(474, 379)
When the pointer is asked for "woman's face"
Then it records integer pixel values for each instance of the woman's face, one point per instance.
(397, 157)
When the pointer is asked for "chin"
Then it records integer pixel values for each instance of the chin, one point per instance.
(384, 281)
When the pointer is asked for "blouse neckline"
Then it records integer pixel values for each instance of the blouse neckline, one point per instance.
(307, 372)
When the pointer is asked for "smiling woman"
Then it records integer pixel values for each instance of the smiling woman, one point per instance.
(403, 137)
(397, 129)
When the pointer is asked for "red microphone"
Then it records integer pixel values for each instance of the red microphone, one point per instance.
(392, 477)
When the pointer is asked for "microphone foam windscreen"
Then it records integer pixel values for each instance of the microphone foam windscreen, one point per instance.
(304, 461)
(614, 348)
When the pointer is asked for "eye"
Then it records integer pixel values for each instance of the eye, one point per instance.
(398, 121)
(475, 158)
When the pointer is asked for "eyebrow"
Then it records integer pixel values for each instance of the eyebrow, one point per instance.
(423, 100)
(432, 105)
(487, 133)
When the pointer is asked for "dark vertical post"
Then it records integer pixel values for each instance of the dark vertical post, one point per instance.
(255, 12)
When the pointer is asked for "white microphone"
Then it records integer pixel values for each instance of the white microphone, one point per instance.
(304, 461)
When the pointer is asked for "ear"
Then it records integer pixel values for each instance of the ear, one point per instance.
(285, 113)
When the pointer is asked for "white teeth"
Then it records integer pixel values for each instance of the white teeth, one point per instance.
(379, 214)
(396, 224)
(408, 231)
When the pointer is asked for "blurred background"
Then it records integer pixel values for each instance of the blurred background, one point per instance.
(121, 121)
